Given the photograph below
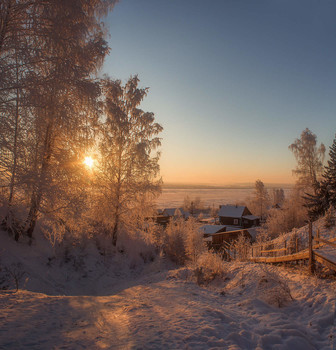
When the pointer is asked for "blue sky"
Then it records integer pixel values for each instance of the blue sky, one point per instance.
(232, 82)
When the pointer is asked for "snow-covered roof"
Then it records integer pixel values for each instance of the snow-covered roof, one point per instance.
(207, 220)
(230, 228)
(174, 212)
(250, 217)
(253, 232)
(211, 229)
(231, 211)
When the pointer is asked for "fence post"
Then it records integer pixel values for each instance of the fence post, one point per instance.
(285, 247)
(296, 245)
(318, 236)
(310, 248)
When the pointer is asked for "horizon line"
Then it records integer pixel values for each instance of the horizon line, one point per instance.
(225, 186)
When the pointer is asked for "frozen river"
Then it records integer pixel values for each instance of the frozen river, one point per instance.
(174, 197)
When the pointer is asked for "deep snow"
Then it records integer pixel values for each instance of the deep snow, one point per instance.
(111, 304)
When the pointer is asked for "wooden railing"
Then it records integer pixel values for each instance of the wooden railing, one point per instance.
(289, 253)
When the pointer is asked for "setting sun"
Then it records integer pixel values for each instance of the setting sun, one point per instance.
(88, 161)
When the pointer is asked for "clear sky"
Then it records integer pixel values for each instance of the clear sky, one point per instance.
(232, 82)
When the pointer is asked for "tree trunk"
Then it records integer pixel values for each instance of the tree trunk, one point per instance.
(115, 232)
(5, 24)
(117, 220)
(117, 208)
(33, 212)
(38, 190)
(12, 181)
(9, 223)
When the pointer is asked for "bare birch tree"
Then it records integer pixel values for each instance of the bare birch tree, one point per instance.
(260, 200)
(309, 157)
(128, 166)
(49, 52)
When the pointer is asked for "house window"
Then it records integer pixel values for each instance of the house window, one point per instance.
(235, 221)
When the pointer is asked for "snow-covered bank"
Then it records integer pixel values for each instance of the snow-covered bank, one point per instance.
(109, 302)
(170, 311)
(77, 270)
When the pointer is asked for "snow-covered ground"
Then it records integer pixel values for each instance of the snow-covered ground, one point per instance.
(112, 305)
(164, 311)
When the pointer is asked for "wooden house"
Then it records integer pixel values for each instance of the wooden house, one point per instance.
(237, 215)
(209, 230)
(230, 236)
(175, 213)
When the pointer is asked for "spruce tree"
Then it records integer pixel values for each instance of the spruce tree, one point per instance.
(318, 203)
(329, 176)
(325, 190)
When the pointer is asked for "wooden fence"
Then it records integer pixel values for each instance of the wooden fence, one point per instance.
(291, 251)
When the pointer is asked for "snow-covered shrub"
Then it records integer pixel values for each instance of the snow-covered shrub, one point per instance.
(262, 235)
(242, 246)
(11, 217)
(194, 241)
(257, 282)
(276, 222)
(174, 241)
(53, 230)
(292, 214)
(104, 244)
(183, 241)
(272, 288)
(4, 278)
(16, 273)
(152, 233)
(183, 273)
(209, 265)
(136, 248)
(329, 218)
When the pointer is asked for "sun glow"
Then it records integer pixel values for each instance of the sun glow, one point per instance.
(88, 161)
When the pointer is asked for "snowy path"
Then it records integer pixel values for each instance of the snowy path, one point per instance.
(169, 314)
(328, 252)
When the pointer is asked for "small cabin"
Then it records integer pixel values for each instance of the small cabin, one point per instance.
(237, 215)
(229, 236)
(209, 230)
(175, 213)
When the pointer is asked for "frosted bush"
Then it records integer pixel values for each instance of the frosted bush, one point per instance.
(209, 266)
(273, 289)
(136, 248)
(183, 241)
(293, 214)
(16, 273)
(194, 242)
(242, 246)
(174, 241)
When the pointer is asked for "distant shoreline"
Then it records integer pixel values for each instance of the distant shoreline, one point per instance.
(223, 187)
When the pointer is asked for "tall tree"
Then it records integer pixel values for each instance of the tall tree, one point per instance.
(278, 196)
(73, 49)
(16, 56)
(128, 165)
(309, 158)
(260, 200)
(60, 45)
